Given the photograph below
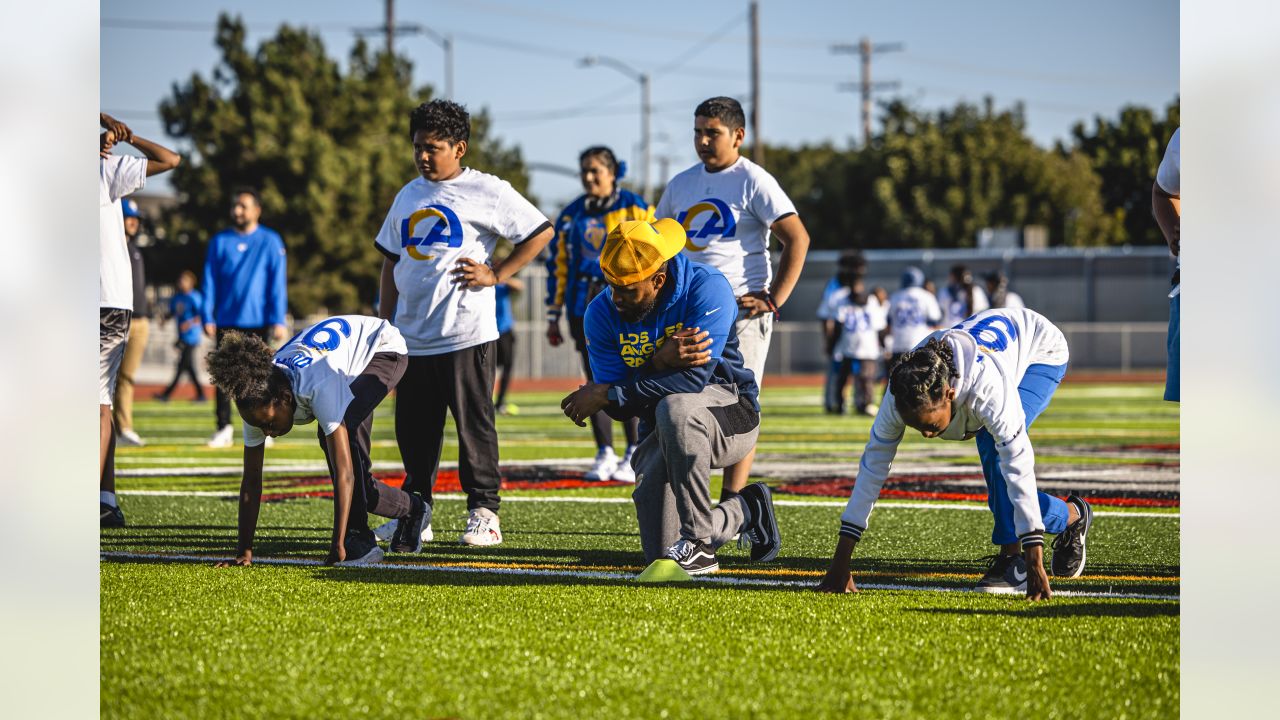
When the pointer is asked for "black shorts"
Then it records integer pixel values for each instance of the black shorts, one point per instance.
(506, 349)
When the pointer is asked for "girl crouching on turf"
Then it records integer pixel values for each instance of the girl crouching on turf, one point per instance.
(334, 372)
(988, 377)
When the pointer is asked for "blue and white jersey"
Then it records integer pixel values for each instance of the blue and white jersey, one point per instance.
(913, 314)
(322, 360)
(992, 350)
(954, 302)
(860, 325)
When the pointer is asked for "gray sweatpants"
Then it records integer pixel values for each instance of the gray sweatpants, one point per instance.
(693, 434)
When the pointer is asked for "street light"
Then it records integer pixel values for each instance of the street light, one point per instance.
(643, 79)
(444, 41)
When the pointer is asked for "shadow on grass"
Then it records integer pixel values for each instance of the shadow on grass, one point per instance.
(1070, 609)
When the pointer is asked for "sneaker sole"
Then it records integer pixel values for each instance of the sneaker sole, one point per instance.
(1002, 590)
(373, 556)
(476, 542)
(703, 571)
(771, 525)
(1087, 517)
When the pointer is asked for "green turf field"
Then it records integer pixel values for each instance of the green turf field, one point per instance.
(549, 624)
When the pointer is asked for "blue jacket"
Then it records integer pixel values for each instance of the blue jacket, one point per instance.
(502, 300)
(245, 279)
(695, 295)
(184, 307)
(575, 253)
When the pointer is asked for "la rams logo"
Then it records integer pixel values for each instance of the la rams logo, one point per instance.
(594, 233)
(719, 223)
(447, 231)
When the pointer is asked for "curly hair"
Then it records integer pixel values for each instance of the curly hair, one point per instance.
(242, 367)
(442, 119)
(921, 377)
(725, 109)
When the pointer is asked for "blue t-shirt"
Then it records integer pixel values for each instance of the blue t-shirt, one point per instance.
(502, 297)
(245, 279)
(185, 307)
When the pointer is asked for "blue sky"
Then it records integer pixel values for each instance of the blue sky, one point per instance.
(1066, 61)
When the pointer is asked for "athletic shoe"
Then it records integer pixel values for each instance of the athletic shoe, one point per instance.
(482, 528)
(387, 530)
(605, 465)
(199, 399)
(112, 517)
(1068, 547)
(222, 438)
(408, 537)
(625, 473)
(161, 397)
(508, 409)
(268, 441)
(361, 550)
(130, 438)
(1006, 574)
(761, 526)
(694, 557)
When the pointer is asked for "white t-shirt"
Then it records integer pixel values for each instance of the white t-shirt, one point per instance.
(913, 314)
(1169, 178)
(727, 215)
(954, 304)
(1013, 300)
(432, 225)
(118, 175)
(860, 327)
(992, 354)
(322, 360)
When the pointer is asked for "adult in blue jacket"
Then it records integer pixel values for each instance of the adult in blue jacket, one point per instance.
(663, 349)
(244, 288)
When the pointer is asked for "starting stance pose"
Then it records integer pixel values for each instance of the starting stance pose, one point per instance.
(663, 348)
(334, 373)
(989, 377)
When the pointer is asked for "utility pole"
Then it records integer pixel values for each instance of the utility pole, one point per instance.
(757, 143)
(391, 26)
(646, 144)
(866, 50)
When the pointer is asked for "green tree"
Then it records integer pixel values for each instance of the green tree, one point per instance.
(328, 150)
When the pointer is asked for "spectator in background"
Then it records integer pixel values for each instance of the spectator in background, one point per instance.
(1166, 204)
(118, 176)
(185, 307)
(139, 329)
(851, 266)
(574, 279)
(961, 298)
(506, 342)
(245, 288)
(853, 340)
(913, 314)
(999, 293)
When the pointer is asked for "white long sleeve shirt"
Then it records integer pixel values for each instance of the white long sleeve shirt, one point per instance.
(993, 350)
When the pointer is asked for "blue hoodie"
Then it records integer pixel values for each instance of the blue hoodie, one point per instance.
(695, 295)
(244, 279)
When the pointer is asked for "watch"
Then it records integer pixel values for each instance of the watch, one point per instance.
(614, 395)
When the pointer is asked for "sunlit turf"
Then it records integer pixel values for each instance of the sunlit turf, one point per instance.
(188, 640)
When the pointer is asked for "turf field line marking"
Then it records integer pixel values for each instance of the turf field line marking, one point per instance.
(627, 500)
(607, 575)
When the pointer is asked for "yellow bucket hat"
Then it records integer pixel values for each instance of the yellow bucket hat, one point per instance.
(636, 248)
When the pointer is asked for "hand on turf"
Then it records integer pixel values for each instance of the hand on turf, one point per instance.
(837, 581)
(471, 274)
(337, 554)
(553, 333)
(244, 559)
(755, 304)
(686, 348)
(1037, 579)
(585, 402)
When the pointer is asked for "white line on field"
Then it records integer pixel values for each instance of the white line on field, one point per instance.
(627, 501)
(605, 575)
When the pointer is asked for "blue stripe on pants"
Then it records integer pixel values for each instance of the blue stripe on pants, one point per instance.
(1035, 390)
(1173, 378)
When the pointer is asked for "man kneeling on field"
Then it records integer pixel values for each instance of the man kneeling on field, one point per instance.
(662, 348)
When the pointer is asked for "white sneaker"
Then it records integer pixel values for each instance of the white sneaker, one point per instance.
(269, 441)
(605, 465)
(130, 438)
(222, 438)
(482, 528)
(387, 530)
(625, 473)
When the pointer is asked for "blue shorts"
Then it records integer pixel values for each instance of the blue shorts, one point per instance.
(1172, 378)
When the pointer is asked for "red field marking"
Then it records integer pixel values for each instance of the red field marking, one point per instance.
(842, 487)
(446, 481)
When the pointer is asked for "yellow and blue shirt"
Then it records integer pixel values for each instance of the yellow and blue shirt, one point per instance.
(575, 252)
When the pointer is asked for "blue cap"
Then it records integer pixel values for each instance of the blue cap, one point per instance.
(912, 277)
(130, 207)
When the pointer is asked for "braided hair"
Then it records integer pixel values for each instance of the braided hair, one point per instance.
(921, 377)
(242, 367)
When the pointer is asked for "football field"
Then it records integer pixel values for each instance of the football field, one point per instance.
(551, 623)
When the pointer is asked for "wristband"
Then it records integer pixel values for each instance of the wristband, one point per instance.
(1032, 539)
(553, 315)
(851, 531)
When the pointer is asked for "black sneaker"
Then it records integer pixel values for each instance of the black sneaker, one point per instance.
(1068, 547)
(361, 549)
(1006, 574)
(761, 526)
(694, 557)
(112, 517)
(408, 537)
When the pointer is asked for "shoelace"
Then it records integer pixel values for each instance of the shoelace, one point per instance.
(993, 560)
(681, 550)
(476, 523)
(747, 538)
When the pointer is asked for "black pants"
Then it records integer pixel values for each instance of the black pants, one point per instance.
(186, 364)
(222, 403)
(506, 349)
(601, 424)
(367, 390)
(460, 382)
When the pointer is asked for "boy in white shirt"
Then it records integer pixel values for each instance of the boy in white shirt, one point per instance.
(913, 314)
(987, 379)
(960, 298)
(334, 373)
(437, 287)
(853, 336)
(1166, 205)
(728, 206)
